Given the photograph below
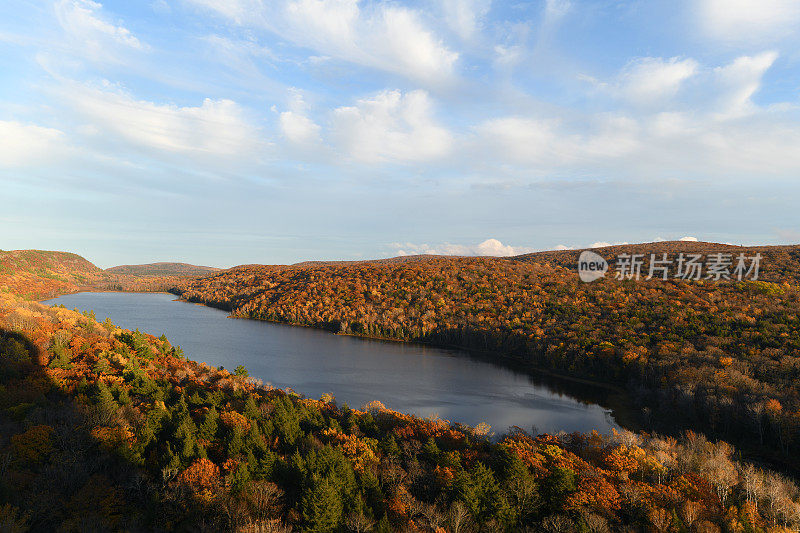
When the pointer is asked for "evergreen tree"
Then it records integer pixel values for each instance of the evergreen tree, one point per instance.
(251, 409)
(286, 422)
(185, 436)
(208, 428)
(481, 494)
(102, 366)
(431, 451)
(105, 399)
(520, 487)
(557, 486)
(322, 507)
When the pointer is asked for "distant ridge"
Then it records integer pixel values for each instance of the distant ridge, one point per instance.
(389, 260)
(779, 263)
(163, 269)
(781, 254)
(419, 258)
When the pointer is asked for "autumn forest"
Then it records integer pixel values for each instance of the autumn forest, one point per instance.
(106, 429)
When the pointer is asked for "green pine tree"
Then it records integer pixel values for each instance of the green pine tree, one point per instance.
(208, 428)
(322, 507)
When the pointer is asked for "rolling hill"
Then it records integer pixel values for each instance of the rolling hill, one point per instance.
(41, 274)
(163, 269)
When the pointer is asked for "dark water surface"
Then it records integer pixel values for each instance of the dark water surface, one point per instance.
(406, 377)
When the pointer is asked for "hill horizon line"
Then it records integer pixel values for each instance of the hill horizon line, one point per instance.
(179, 267)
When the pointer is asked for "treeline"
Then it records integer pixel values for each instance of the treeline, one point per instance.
(725, 356)
(108, 429)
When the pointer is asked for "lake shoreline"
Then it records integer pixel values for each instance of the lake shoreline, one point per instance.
(617, 401)
(418, 378)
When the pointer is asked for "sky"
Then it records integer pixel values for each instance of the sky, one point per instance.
(224, 132)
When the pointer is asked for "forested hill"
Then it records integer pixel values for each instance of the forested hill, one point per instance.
(38, 273)
(163, 269)
(18, 261)
(104, 429)
(778, 263)
(725, 355)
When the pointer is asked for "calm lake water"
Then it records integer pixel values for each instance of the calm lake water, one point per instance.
(410, 378)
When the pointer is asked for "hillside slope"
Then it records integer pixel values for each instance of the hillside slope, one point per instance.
(40, 274)
(37, 274)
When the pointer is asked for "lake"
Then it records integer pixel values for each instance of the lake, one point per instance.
(411, 378)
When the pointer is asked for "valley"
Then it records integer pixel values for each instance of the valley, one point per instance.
(206, 445)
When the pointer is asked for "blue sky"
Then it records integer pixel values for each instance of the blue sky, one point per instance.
(241, 131)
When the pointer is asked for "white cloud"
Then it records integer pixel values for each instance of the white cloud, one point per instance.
(415, 51)
(549, 143)
(741, 21)
(86, 27)
(717, 130)
(508, 56)
(651, 79)
(656, 82)
(295, 125)
(525, 139)
(740, 80)
(161, 7)
(23, 144)
(489, 247)
(464, 16)
(557, 8)
(609, 135)
(384, 36)
(391, 126)
(216, 127)
(553, 14)
(688, 239)
(237, 54)
(239, 11)
(298, 128)
(689, 143)
(329, 23)
(603, 244)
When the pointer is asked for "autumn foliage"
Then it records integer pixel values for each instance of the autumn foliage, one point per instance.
(725, 355)
(109, 429)
(158, 442)
(39, 274)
